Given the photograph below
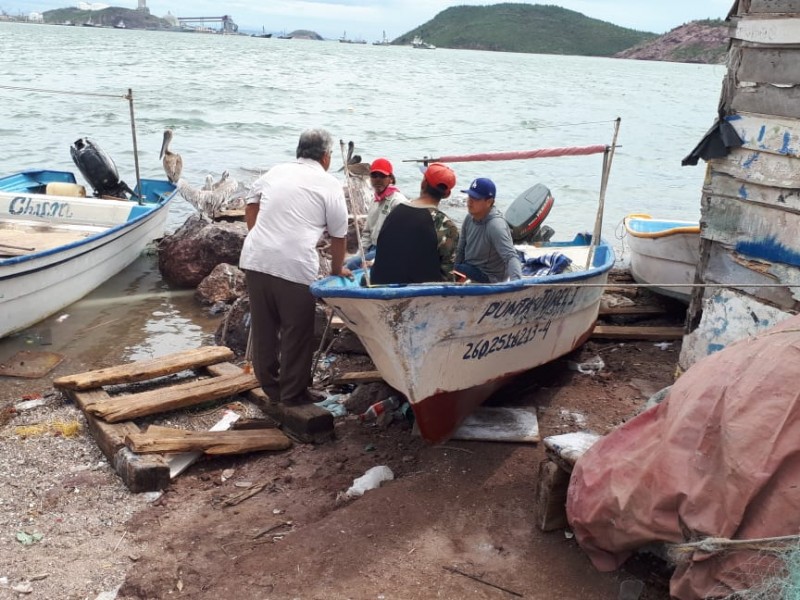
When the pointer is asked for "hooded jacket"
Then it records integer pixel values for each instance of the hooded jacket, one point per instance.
(487, 245)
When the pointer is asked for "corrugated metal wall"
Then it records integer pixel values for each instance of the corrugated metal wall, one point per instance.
(750, 213)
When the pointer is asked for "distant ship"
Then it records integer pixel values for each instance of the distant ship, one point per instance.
(120, 25)
(383, 42)
(418, 43)
(344, 40)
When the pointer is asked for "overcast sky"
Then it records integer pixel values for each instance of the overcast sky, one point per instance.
(368, 18)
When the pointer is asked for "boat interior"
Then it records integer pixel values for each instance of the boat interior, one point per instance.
(19, 238)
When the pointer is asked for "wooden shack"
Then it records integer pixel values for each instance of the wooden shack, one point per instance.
(750, 213)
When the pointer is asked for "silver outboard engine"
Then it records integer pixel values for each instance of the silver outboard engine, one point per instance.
(98, 169)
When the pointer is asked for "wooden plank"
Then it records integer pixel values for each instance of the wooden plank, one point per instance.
(139, 473)
(357, 377)
(724, 185)
(777, 66)
(146, 369)
(760, 167)
(754, 231)
(774, 135)
(767, 99)
(630, 332)
(168, 439)
(768, 30)
(500, 424)
(551, 496)
(130, 406)
(608, 311)
(773, 6)
(567, 448)
(308, 423)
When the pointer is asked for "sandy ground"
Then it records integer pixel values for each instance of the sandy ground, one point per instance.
(70, 529)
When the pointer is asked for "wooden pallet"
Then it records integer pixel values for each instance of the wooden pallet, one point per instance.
(145, 459)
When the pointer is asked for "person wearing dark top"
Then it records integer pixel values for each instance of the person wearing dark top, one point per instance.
(418, 241)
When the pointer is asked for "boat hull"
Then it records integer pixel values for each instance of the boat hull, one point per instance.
(664, 254)
(37, 284)
(448, 347)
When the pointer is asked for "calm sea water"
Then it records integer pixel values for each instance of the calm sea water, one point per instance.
(239, 104)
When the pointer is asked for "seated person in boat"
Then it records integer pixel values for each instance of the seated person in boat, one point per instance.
(418, 241)
(385, 195)
(485, 252)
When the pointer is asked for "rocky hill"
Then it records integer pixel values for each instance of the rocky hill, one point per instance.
(695, 42)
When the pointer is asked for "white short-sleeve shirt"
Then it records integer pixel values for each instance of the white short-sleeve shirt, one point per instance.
(297, 202)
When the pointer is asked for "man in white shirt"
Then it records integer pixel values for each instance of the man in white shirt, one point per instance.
(287, 210)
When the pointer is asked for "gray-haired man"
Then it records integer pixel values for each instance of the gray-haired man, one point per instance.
(287, 210)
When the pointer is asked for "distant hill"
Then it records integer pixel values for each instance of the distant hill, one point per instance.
(133, 19)
(534, 28)
(695, 42)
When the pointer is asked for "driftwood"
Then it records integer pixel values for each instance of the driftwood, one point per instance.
(167, 439)
(620, 332)
(146, 369)
(130, 406)
(357, 377)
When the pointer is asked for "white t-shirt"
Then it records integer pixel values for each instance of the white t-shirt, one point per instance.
(297, 202)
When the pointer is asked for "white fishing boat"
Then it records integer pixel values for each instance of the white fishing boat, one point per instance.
(419, 43)
(57, 243)
(664, 253)
(448, 346)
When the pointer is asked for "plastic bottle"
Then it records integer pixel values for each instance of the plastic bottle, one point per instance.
(377, 409)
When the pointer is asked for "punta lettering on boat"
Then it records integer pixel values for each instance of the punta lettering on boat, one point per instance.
(551, 303)
(22, 205)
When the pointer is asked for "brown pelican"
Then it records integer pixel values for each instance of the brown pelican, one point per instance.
(173, 163)
(213, 197)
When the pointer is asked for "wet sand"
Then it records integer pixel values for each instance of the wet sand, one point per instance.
(133, 316)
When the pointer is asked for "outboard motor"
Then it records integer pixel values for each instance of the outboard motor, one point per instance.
(98, 169)
(526, 214)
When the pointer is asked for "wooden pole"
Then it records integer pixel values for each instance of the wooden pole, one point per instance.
(608, 158)
(350, 188)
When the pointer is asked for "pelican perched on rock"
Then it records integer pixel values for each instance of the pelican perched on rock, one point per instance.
(213, 197)
(173, 163)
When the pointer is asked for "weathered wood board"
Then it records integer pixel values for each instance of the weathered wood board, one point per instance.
(769, 7)
(777, 66)
(768, 30)
(726, 186)
(764, 98)
(359, 377)
(130, 406)
(567, 448)
(632, 332)
(769, 134)
(145, 369)
(760, 167)
(551, 496)
(754, 231)
(168, 439)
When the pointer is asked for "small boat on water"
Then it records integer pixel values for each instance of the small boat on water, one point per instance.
(418, 42)
(120, 25)
(57, 244)
(263, 34)
(664, 253)
(383, 42)
(449, 346)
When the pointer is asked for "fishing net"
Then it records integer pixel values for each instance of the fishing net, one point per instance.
(769, 569)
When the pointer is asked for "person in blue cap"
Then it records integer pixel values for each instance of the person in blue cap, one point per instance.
(485, 252)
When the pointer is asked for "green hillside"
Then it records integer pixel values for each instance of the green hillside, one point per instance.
(536, 28)
(109, 17)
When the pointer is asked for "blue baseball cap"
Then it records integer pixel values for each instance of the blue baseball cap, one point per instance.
(481, 188)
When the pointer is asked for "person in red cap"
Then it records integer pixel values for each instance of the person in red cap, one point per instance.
(386, 196)
(418, 241)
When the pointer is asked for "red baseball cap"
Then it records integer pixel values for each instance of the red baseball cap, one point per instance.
(381, 165)
(440, 176)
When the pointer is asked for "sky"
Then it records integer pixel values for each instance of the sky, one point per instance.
(367, 19)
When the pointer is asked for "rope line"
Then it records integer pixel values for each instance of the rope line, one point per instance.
(64, 92)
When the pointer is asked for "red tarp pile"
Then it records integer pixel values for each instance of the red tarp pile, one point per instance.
(720, 457)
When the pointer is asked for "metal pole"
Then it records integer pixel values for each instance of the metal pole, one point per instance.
(135, 147)
(608, 158)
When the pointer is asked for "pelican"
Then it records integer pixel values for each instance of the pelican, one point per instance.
(213, 197)
(173, 163)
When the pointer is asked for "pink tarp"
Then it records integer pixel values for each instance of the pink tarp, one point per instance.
(720, 457)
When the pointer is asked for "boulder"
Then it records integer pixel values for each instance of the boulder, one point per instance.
(188, 256)
(225, 284)
(235, 327)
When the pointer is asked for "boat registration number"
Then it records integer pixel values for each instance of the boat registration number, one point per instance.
(520, 337)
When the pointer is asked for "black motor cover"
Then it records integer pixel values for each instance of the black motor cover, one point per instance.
(526, 214)
(98, 169)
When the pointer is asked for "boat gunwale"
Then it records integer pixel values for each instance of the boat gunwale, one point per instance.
(154, 207)
(320, 288)
(689, 228)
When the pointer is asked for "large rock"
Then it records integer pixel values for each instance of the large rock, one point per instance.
(189, 255)
(225, 284)
(235, 327)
